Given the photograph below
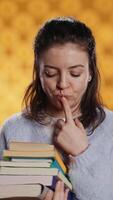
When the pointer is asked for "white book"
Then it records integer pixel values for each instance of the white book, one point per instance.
(24, 164)
(7, 191)
(15, 179)
(43, 160)
(28, 171)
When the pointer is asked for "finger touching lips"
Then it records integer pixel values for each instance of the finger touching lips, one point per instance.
(67, 110)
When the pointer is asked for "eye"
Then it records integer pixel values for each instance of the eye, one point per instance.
(50, 74)
(75, 74)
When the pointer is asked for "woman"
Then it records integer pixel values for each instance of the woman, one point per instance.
(63, 107)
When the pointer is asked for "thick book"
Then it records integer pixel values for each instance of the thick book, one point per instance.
(54, 154)
(23, 179)
(7, 191)
(26, 191)
(55, 172)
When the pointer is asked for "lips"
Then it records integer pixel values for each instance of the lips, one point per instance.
(63, 94)
(60, 96)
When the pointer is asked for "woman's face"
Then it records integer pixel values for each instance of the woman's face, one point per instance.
(64, 71)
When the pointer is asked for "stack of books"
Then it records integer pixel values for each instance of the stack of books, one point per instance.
(27, 167)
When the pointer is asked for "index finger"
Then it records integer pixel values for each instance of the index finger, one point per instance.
(67, 110)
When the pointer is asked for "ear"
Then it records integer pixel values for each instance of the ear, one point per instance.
(89, 78)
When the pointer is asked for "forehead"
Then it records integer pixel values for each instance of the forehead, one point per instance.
(68, 54)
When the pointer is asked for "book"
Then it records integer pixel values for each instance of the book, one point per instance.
(28, 171)
(31, 160)
(25, 192)
(29, 154)
(23, 179)
(7, 191)
(26, 164)
(55, 172)
(29, 146)
(54, 154)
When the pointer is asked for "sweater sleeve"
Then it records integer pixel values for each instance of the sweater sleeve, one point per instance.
(3, 144)
(92, 173)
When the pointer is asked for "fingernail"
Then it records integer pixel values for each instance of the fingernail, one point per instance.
(59, 183)
(63, 98)
(67, 190)
(49, 194)
(62, 184)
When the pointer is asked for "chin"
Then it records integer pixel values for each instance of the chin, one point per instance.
(58, 105)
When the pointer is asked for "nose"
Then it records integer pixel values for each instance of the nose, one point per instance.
(62, 83)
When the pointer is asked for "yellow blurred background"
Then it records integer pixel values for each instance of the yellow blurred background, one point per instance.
(19, 23)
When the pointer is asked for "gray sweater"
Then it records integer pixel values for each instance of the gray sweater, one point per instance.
(92, 172)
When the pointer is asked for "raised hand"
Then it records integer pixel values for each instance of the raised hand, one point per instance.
(70, 135)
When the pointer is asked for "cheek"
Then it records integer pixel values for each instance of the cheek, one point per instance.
(47, 85)
(80, 85)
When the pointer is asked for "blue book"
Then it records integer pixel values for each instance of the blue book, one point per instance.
(55, 164)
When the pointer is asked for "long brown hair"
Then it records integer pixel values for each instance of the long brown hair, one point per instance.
(60, 31)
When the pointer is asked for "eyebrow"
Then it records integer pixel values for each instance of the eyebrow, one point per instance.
(70, 67)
